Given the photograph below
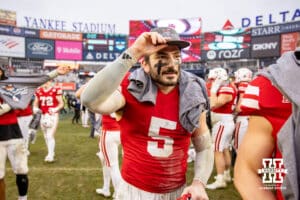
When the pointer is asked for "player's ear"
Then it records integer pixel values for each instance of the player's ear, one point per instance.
(145, 65)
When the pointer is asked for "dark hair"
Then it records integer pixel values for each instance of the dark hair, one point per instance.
(147, 58)
(2, 77)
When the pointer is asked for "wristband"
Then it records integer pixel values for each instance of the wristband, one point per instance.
(126, 59)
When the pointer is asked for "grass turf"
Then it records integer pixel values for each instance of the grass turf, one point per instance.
(76, 172)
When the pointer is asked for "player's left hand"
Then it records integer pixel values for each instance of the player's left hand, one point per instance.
(196, 190)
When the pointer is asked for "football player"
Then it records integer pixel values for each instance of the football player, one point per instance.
(222, 102)
(161, 108)
(48, 98)
(108, 154)
(271, 143)
(109, 142)
(16, 93)
(242, 78)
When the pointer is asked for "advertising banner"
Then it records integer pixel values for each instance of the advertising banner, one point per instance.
(26, 66)
(188, 29)
(100, 55)
(11, 30)
(227, 39)
(8, 17)
(67, 50)
(34, 33)
(268, 46)
(57, 35)
(289, 42)
(37, 48)
(104, 43)
(12, 46)
(276, 29)
(16, 31)
(67, 86)
(227, 54)
(5, 30)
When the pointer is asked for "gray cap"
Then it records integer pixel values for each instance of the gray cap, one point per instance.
(172, 35)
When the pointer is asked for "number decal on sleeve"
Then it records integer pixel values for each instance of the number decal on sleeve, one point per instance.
(152, 146)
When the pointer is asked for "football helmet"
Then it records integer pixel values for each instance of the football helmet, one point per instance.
(218, 73)
(211, 74)
(221, 73)
(47, 121)
(243, 74)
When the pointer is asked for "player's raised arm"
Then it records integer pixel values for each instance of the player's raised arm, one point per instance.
(101, 94)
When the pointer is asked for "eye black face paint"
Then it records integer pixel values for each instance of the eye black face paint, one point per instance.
(159, 65)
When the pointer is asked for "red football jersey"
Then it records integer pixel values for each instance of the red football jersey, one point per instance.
(208, 86)
(109, 123)
(25, 112)
(47, 98)
(242, 87)
(263, 99)
(154, 142)
(9, 117)
(228, 107)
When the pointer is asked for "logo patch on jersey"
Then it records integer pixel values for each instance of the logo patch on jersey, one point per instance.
(272, 172)
(13, 93)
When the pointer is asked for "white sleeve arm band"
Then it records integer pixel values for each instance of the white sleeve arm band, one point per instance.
(106, 81)
(204, 160)
(4, 108)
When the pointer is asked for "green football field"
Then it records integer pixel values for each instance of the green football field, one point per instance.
(76, 173)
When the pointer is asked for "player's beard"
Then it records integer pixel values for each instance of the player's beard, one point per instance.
(158, 74)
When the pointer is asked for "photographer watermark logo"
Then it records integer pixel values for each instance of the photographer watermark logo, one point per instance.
(272, 172)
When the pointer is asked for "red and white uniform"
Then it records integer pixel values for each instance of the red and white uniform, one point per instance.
(47, 102)
(109, 152)
(263, 99)
(47, 98)
(11, 141)
(222, 119)
(110, 140)
(208, 86)
(8, 119)
(110, 136)
(242, 87)
(154, 142)
(241, 124)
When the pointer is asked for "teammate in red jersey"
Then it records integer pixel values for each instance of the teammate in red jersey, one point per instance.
(108, 154)
(16, 93)
(48, 99)
(273, 135)
(109, 142)
(160, 107)
(242, 78)
(222, 101)
(212, 75)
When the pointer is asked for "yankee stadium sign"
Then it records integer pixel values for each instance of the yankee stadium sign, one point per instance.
(61, 25)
